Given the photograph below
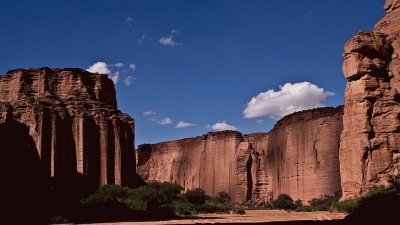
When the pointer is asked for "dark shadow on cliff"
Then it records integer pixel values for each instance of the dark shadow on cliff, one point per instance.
(23, 185)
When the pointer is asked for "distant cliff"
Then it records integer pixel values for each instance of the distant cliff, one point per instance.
(300, 152)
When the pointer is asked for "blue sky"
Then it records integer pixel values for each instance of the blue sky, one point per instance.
(190, 67)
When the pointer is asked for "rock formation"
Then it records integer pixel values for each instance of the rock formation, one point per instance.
(299, 156)
(73, 119)
(69, 121)
(370, 142)
(303, 154)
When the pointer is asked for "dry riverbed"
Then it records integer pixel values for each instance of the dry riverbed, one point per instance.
(251, 216)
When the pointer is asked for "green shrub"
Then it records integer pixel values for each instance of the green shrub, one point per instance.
(239, 210)
(303, 208)
(107, 193)
(183, 207)
(196, 196)
(324, 203)
(154, 195)
(223, 197)
(283, 201)
(348, 205)
(210, 207)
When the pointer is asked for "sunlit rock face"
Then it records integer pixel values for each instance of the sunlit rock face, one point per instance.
(299, 156)
(303, 154)
(370, 142)
(72, 118)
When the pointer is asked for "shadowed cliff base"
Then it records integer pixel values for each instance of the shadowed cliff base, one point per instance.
(23, 182)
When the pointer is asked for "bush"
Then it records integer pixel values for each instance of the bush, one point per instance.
(324, 203)
(283, 201)
(182, 207)
(153, 196)
(223, 197)
(107, 193)
(303, 208)
(348, 205)
(239, 210)
(196, 196)
(210, 207)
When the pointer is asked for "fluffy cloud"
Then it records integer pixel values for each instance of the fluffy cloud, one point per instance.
(99, 67)
(169, 39)
(290, 98)
(149, 113)
(132, 66)
(220, 126)
(163, 121)
(128, 80)
(183, 124)
(102, 68)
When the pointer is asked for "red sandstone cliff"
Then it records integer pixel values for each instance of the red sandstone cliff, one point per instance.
(303, 154)
(72, 117)
(298, 157)
(370, 142)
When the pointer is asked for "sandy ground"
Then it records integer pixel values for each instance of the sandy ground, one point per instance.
(251, 216)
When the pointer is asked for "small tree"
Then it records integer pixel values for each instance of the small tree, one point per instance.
(283, 201)
(196, 196)
(223, 197)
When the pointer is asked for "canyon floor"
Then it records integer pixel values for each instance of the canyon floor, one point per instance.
(251, 217)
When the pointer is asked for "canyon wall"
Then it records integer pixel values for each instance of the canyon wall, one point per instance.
(71, 116)
(370, 142)
(299, 156)
(207, 161)
(303, 154)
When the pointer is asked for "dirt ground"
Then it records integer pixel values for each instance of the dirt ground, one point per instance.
(251, 216)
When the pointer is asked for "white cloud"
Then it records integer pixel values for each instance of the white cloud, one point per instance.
(162, 121)
(102, 68)
(118, 65)
(174, 31)
(169, 40)
(183, 124)
(149, 113)
(132, 66)
(129, 20)
(140, 41)
(220, 126)
(290, 98)
(99, 67)
(128, 80)
(114, 77)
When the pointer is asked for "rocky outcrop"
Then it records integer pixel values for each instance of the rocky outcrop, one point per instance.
(370, 142)
(209, 162)
(299, 156)
(72, 118)
(303, 154)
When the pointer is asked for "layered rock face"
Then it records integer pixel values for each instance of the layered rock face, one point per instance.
(303, 154)
(370, 142)
(72, 118)
(298, 157)
(208, 162)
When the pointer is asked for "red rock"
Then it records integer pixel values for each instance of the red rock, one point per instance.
(370, 138)
(298, 157)
(73, 119)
